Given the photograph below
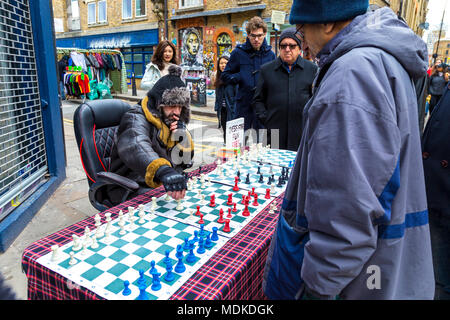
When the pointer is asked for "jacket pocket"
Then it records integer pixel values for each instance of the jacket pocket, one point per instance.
(283, 277)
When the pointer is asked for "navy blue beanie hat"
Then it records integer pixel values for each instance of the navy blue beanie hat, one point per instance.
(322, 11)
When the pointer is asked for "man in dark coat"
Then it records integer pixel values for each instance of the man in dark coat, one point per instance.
(283, 88)
(153, 146)
(436, 159)
(243, 69)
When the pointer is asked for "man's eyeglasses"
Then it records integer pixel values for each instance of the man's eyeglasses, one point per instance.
(259, 36)
(284, 46)
(300, 33)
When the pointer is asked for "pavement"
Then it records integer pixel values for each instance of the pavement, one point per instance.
(69, 204)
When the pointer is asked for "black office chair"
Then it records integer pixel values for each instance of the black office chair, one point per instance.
(95, 124)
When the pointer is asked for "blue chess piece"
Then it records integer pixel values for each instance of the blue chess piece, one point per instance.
(169, 277)
(202, 231)
(201, 246)
(190, 258)
(167, 259)
(208, 242)
(180, 267)
(153, 268)
(156, 283)
(186, 244)
(195, 236)
(214, 236)
(142, 294)
(141, 280)
(126, 291)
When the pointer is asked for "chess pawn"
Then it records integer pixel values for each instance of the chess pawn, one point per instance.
(72, 260)
(108, 216)
(130, 211)
(120, 214)
(99, 232)
(122, 229)
(94, 243)
(179, 205)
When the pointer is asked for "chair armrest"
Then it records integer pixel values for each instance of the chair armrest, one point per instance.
(113, 178)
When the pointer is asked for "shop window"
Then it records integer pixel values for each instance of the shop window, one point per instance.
(136, 60)
(140, 8)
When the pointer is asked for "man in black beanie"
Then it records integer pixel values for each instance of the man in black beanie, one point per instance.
(282, 90)
(354, 218)
(153, 146)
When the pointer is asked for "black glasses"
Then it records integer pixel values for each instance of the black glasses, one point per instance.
(300, 33)
(284, 46)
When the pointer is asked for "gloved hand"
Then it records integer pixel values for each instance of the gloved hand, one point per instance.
(171, 179)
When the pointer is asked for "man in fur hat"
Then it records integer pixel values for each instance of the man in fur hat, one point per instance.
(153, 146)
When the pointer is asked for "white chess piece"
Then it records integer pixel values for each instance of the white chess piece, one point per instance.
(99, 233)
(76, 243)
(141, 216)
(55, 252)
(84, 251)
(72, 260)
(108, 216)
(179, 205)
(122, 229)
(94, 243)
(130, 211)
(120, 214)
(97, 220)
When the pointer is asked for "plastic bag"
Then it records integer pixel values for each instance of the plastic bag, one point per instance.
(103, 91)
(93, 94)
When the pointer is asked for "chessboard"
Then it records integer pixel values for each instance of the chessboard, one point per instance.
(278, 157)
(137, 256)
(212, 205)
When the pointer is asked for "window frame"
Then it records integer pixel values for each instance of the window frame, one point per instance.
(95, 13)
(132, 51)
(131, 10)
(135, 9)
(98, 11)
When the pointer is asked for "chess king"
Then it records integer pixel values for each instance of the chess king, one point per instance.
(153, 146)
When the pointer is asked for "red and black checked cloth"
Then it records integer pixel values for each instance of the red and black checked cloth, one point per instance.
(233, 273)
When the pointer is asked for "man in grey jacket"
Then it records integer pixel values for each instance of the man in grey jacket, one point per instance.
(354, 219)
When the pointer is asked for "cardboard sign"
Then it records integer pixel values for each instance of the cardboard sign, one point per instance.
(235, 133)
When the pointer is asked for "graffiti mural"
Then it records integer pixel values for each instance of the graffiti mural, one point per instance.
(224, 44)
(191, 47)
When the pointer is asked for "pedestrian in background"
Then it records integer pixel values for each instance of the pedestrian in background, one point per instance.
(243, 70)
(436, 158)
(284, 86)
(225, 97)
(436, 85)
(164, 56)
(354, 223)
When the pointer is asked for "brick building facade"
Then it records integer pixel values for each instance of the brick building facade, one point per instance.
(136, 26)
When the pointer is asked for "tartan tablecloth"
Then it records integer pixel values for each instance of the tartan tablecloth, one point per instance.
(233, 273)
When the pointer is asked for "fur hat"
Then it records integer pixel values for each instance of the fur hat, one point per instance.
(170, 90)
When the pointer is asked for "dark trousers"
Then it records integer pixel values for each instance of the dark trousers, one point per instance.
(440, 245)
(223, 123)
(433, 101)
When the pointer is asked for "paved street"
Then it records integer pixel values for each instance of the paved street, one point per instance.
(70, 203)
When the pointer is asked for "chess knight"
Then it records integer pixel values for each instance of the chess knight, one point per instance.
(153, 145)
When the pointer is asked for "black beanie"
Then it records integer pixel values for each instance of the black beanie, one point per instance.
(290, 33)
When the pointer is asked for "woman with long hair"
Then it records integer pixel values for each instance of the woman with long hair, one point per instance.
(225, 96)
(163, 58)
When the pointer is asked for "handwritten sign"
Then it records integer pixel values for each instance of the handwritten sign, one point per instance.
(235, 133)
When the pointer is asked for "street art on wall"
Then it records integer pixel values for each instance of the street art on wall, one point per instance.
(224, 44)
(191, 47)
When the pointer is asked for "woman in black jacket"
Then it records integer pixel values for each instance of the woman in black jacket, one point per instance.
(225, 97)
